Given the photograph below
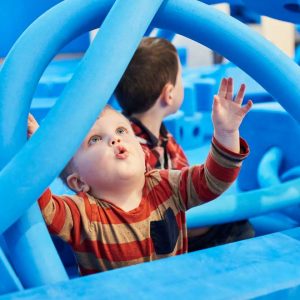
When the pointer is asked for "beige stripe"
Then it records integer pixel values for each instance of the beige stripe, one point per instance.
(65, 232)
(48, 212)
(215, 185)
(193, 198)
(174, 180)
(223, 161)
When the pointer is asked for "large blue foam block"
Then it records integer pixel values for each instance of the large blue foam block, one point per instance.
(240, 270)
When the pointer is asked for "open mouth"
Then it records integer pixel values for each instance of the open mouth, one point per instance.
(121, 152)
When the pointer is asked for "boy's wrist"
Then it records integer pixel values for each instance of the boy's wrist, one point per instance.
(242, 153)
(229, 140)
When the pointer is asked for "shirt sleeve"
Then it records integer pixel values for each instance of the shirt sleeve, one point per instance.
(61, 215)
(200, 184)
(177, 156)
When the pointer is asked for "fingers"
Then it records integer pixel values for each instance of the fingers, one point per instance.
(226, 89)
(247, 107)
(229, 92)
(240, 95)
(223, 88)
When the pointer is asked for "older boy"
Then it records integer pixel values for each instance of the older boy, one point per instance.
(150, 90)
(121, 216)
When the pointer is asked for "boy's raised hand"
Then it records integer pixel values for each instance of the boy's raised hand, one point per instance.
(32, 125)
(228, 114)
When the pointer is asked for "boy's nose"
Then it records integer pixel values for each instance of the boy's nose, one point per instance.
(114, 140)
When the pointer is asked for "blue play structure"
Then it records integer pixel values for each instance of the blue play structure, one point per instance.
(68, 95)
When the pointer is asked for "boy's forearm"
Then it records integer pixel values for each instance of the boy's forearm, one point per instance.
(229, 140)
(56, 214)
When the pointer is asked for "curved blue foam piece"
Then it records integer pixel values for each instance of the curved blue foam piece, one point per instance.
(33, 46)
(238, 43)
(245, 205)
(268, 168)
(278, 129)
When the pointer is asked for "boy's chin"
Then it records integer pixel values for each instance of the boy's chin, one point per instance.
(131, 173)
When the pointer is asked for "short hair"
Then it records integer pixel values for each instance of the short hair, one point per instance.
(153, 65)
(67, 170)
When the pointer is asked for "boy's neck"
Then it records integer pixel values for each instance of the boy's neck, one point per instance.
(127, 195)
(151, 121)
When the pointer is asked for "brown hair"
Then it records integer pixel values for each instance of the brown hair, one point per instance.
(154, 64)
(68, 169)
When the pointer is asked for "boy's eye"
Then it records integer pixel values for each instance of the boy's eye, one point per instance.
(95, 139)
(121, 130)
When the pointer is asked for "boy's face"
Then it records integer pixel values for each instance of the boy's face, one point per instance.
(110, 154)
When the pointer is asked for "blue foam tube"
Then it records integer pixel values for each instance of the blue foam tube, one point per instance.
(245, 205)
(268, 168)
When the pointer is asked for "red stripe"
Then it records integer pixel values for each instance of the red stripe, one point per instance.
(117, 252)
(161, 192)
(183, 185)
(220, 172)
(244, 149)
(45, 199)
(149, 203)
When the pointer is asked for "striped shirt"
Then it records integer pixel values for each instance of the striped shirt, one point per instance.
(105, 237)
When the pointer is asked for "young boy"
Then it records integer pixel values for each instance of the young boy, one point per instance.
(121, 215)
(150, 90)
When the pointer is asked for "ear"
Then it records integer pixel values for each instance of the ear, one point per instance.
(76, 184)
(167, 94)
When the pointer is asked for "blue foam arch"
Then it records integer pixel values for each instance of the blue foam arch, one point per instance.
(244, 47)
